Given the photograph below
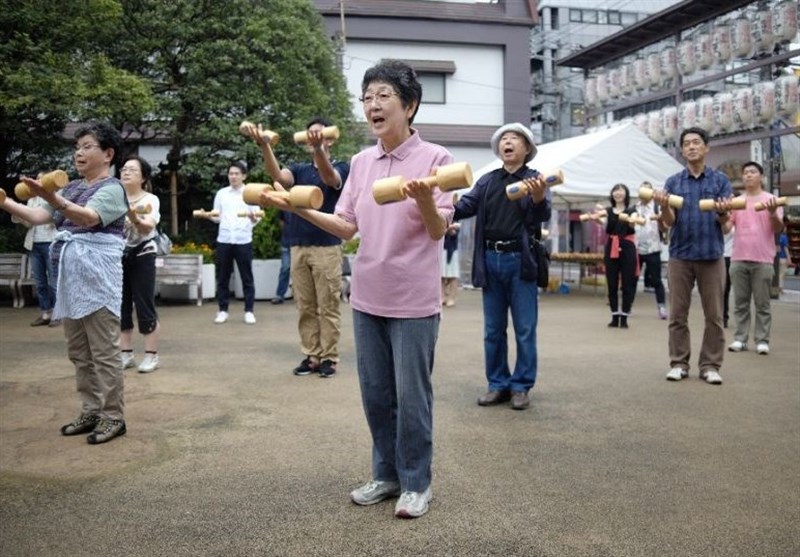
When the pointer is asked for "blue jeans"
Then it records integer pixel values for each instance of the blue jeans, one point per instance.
(505, 289)
(42, 269)
(283, 275)
(395, 363)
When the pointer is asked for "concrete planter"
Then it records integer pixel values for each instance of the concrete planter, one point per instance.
(265, 277)
(187, 292)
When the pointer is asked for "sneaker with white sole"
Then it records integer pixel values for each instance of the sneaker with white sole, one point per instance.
(374, 491)
(149, 364)
(662, 312)
(249, 318)
(128, 360)
(222, 317)
(712, 377)
(676, 374)
(413, 504)
(762, 348)
(737, 346)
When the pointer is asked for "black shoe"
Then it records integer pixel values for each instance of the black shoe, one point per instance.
(82, 424)
(40, 321)
(614, 321)
(106, 430)
(327, 369)
(306, 367)
(276, 301)
(623, 321)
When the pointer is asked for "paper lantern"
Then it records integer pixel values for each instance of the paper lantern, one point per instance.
(685, 57)
(786, 96)
(721, 43)
(602, 88)
(687, 114)
(590, 91)
(743, 108)
(613, 83)
(640, 121)
(626, 78)
(703, 51)
(723, 112)
(669, 122)
(654, 69)
(667, 65)
(785, 21)
(705, 112)
(640, 74)
(655, 130)
(764, 101)
(741, 38)
(763, 34)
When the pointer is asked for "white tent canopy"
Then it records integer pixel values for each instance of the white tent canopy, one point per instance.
(594, 162)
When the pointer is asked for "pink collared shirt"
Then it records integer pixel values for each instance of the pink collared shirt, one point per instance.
(397, 269)
(753, 236)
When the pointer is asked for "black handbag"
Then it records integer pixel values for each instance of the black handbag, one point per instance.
(542, 263)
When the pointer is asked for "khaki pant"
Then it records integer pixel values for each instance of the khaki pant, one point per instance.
(710, 279)
(752, 280)
(93, 347)
(316, 285)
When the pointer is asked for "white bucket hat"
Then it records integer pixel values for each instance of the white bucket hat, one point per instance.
(516, 127)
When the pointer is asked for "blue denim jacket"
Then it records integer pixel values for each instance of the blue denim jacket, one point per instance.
(474, 203)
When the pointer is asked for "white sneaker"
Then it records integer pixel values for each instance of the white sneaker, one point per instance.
(762, 348)
(249, 318)
(413, 504)
(374, 491)
(128, 360)
(222, 317)
(676, 374)
(662, 312)
(712, 377)
(737, 346)
(149, 364)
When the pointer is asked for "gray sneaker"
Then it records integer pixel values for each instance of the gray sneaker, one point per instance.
(413, 504)
(374, 491)
(106, 430)
(81, 424)
(128, 360)
(149, 364)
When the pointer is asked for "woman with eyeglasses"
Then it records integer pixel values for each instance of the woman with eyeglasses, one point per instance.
(139, 265)
(89, 214)
(396, 297)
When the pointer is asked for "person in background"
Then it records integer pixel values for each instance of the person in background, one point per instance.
(726, 296)
(139, 265)
(396, 288)
(753, 259)
(234, 243)
(648, 244)
(784, 259)
(695, 257)
(285, 221)
(89, 214)
(450, 265)
(504, 263)
(37, 243)
(316, 255)
(620, 257)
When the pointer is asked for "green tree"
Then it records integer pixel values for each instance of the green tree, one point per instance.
(213, 64)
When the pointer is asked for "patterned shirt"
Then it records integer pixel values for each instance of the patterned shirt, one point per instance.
(697, 235)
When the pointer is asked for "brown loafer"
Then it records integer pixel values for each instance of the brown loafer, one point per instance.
(520, 400)
(494, 397)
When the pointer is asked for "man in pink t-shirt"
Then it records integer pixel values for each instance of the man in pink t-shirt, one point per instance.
(752, 259)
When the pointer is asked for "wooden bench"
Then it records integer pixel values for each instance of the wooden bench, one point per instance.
(12, 273)
(181, 269)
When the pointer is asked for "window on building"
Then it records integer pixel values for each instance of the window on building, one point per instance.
(577, 114)
(602, 17)
(575, 16)
(433, 84)
(613, 17)
(628, 18)
(589, 16)
(554, 18)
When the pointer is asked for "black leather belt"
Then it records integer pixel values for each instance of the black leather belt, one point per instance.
(503, 246)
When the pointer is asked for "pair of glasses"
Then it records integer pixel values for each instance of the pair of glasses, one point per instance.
(84, 148)
(382, 97)
(128, 169)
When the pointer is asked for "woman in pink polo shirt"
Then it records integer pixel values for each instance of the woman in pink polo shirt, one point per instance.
(395, 296)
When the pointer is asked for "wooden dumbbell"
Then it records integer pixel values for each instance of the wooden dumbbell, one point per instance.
(518, 190)
(737, 204)
(270, 136)
(257, 214)
(646, 194)
(329, 132)
(780, 202)
(51, 181)
(2, 196)
(141, 209)
(545, 234)
(593, 216)
(251, 193)
(301, 197)
(203, 214)
(447, 178)
(632, 219)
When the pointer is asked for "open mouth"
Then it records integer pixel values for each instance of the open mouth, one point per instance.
(378, 120)
(508, 151)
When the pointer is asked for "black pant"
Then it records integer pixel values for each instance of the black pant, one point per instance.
(243, 255)
(651, 263)
(625, 265)
(139, 289)
(727, 295)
